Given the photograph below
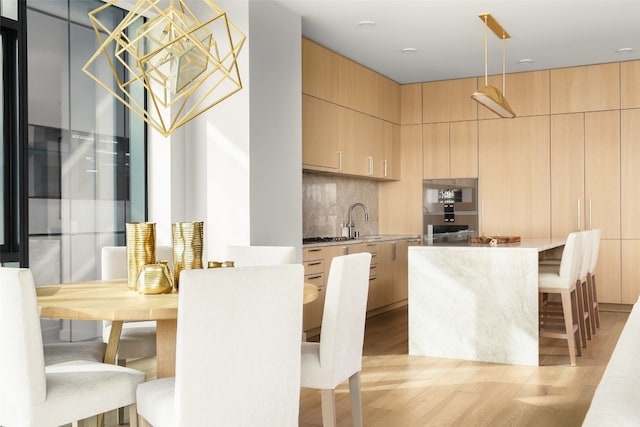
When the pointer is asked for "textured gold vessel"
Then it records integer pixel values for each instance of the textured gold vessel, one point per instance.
(141, 249)
(187, 247)
(154, 279)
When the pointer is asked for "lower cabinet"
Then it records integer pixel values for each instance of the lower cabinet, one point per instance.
(388, 277)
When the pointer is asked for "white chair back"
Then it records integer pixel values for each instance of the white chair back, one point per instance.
(585, 249)
(243, 256)
(571, 258)
(595, 248)
(344, 315)
(114, 260)
(23, 383)
(227, 371)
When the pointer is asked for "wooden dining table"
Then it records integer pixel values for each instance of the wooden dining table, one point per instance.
(112, 300)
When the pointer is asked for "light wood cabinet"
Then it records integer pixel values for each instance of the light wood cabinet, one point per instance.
(527, 93)
(587, 88)
(390, 101)
(608, 272)
(435, 150)
(630, 272)
(514, 177)
(630, 165)
(317, 263)
(360, 88)
(630, 84)
(450, 150)
(392, 151)
(401, 269)
(407, 192)
(319, 71)
(386, 260)
(411, 104)
(463, 149)
(602, 172)
(567, 174)
(321, 141)
(449, 101)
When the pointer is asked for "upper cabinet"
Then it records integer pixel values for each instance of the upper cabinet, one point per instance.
(359, 88)
(630, 84)
(319, 71)
(587, 88)
(527, 93)
(449, 101)
(350, 116)
(411, 104)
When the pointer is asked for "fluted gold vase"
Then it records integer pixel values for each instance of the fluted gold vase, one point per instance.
(187, 247)
(141, 249)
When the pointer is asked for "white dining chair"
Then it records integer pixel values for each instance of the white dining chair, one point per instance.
(564, 282)
(227, 373)
(32, 394)
(92, 351)
(260, 255)
(138, 338)
(338, 355)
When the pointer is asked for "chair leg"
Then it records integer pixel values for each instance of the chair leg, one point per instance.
(572, 339)
(580, 314)
(133, 415)
(120, 412)
(591, 308)
(328, 408)
(596, 309)
(356, 399)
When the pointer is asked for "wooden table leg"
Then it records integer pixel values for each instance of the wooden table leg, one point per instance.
(114, 341)
(166, 347)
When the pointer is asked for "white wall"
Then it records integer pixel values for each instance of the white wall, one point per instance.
(237, 167)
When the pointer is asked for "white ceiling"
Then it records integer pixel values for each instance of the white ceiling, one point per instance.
(449, 36)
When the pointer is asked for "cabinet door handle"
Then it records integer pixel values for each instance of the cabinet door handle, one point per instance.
(315, 263)
(590, 216)
(579, 219)
(313, 277)
(385, 168)
(340, 161)
(370, 159)
(314, 250)
(482, 206)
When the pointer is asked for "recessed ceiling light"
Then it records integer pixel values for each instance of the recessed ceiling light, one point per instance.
(525, 61)
(367, 24)
(409, 50)
(624, 50)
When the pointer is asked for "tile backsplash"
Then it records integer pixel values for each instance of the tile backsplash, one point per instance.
(326, 200)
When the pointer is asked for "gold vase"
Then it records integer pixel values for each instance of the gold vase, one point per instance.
(141, 249)
(187, 247)
(154, 279)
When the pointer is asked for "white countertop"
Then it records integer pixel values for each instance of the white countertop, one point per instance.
(540, 244)
(365, 239)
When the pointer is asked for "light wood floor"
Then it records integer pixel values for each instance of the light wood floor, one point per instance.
(403, 390)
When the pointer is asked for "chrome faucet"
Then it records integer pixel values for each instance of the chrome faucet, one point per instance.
(350, 224)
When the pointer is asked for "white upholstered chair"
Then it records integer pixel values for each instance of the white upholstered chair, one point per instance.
(65, 351)
(338, 355)
(243, 256)
(564, 283)
(237, 350)
(137, 339)
(34, 395)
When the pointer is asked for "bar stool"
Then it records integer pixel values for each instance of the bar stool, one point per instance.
(582, 288)
(564, 283)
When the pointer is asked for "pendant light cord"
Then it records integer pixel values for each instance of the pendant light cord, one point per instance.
(486, 50)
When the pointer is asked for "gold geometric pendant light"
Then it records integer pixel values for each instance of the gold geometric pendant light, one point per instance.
(186, 65)
(490, 96)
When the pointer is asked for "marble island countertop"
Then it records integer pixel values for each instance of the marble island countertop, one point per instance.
(539, 244)
(364, 239)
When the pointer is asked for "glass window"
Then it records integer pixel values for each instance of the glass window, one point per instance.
(9, 9)
(81, 142)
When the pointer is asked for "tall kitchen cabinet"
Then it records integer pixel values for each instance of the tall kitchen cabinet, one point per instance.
(585, 187)
(513, 181)
(630, 203)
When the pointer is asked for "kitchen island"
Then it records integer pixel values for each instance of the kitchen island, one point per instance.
(476, 302)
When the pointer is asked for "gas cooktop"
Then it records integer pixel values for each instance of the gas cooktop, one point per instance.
(323, 239)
